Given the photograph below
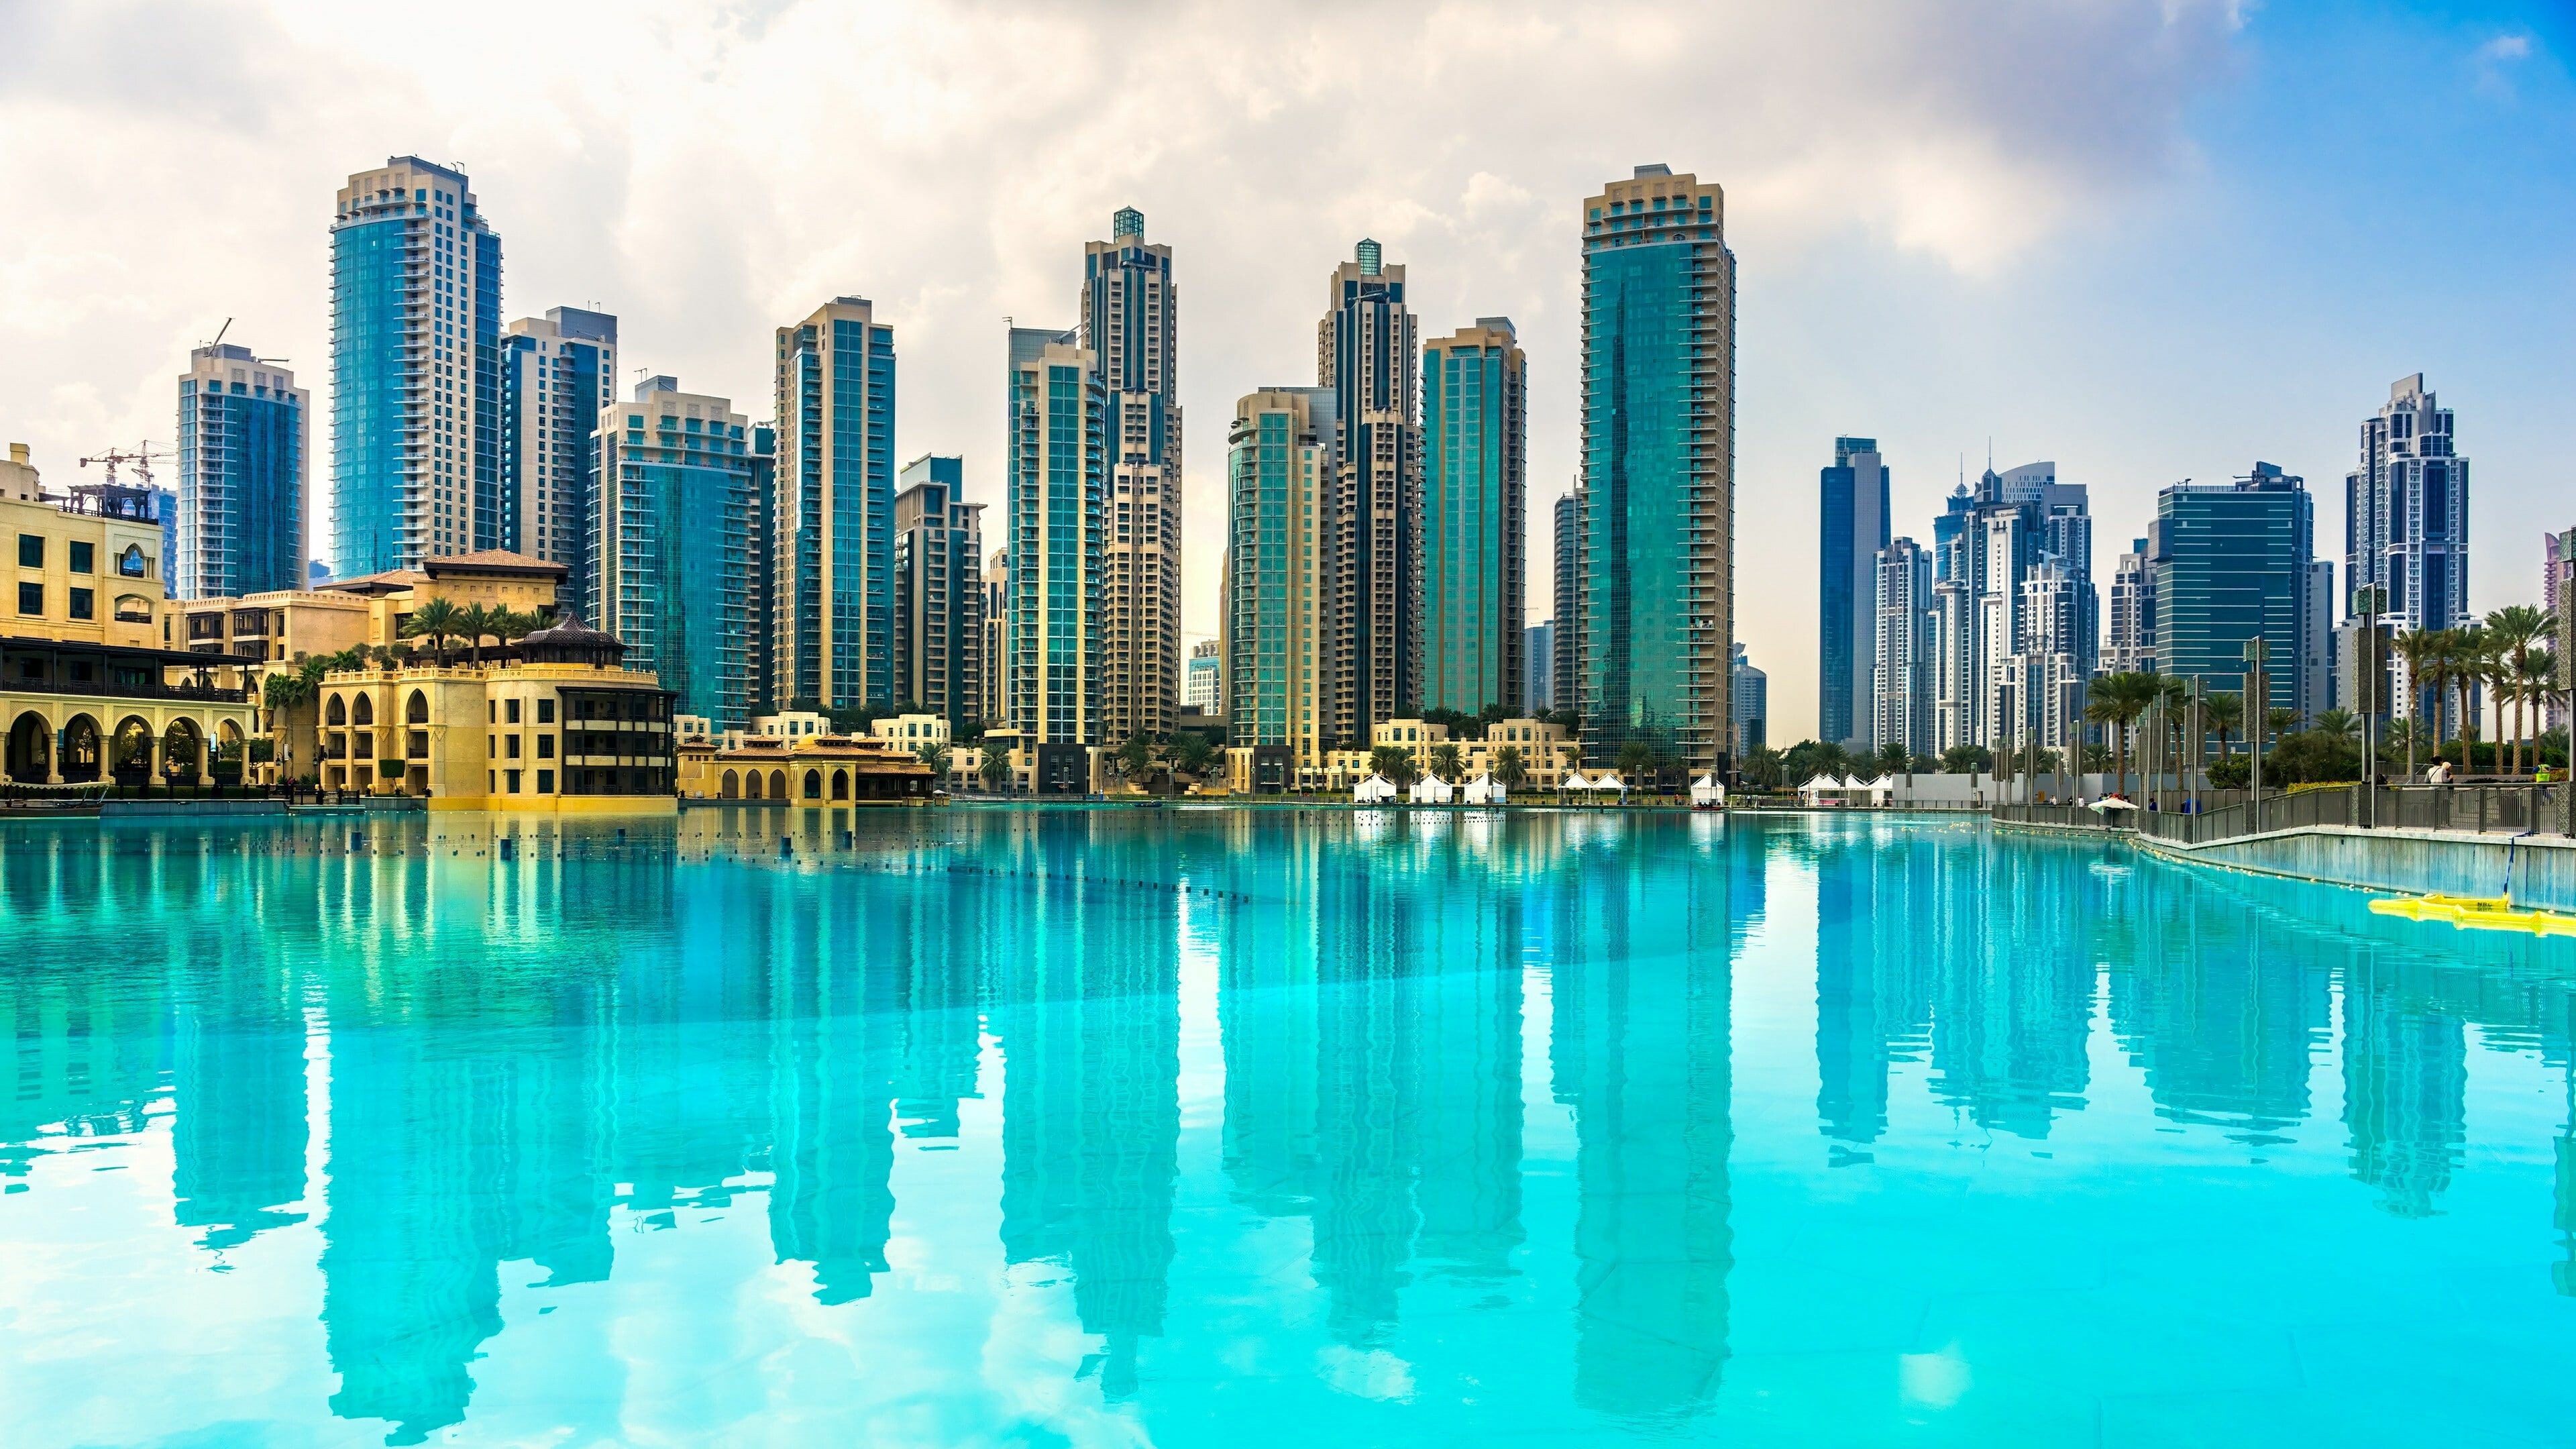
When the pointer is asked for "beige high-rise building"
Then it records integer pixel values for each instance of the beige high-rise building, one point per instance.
(1368, 352)
(996, 619)
(1280, 458)
(834, 499)
(1054, 459)
(1131, 324)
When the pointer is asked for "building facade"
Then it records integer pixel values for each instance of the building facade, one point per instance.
(1131, 324)
(1475, 482)
(1056, 456)
(1997, 658)
(1903, 640)
(2131, 647)
(1852, 526)
(2406, 513)
(673, 554)
(833, 562)
(415, 370)
(2231, 564)
(244, 434)
(1748, 703)
(558, 374)
(1565, 638)
(939, 591)
(997, 653)
(1368, 351)
(1280, 480)
(1540, 651)
(1203, 683)
(1658, 512)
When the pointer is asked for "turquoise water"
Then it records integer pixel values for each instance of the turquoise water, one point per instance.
(1247, 1127)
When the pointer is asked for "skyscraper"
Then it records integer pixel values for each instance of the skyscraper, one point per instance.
(2317, 666)
(1903, 640)
(1749, 703)
(244, 434)
(1852, 526)
(997, 618)
(1367, 349)
(1658, 469)
(415, 370)
(835, 508)
(1203, 685)
(2013, 660)
(1055, 455)
(939, 591)
(2231, 564)
(673, 553)
(1565, 641)
(1280, 479)
(558, 374)
(2131, 648)
(1541, 654)
(1131, 324)
(2406, 513)
(1474, 549)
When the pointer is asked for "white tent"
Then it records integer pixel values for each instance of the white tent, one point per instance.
(2109, 803)
(1816, 789)
(1432, 790)
(1609, 780)
(1375, 790)
(1485, 790)
(1707, 793)
(1881, 789)
(1574, 781)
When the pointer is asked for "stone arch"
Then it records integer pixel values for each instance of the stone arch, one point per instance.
(84, 747)
(183, 751)
(362, 710)
(778, 784)
(336, 713)
(129, 752)
(31, 749)
(416, 708)
(732, 787)
(840, 784)
(813, 784)
(751, 785)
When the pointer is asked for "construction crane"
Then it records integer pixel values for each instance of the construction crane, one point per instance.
(141, 459)
(112, 499)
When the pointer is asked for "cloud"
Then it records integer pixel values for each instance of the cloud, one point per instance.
(2506, 47)
(708, 174)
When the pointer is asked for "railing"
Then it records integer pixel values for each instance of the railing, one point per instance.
(2072, 816)
(2479, 809)
(109, 689)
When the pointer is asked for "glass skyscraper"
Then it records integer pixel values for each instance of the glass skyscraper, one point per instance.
(2231, 565)
(1056, 459)
(1279, 481)
(673, 553)
(1852, 528)
(939, 591)
(2406, 513)
(834, 509)
(415, 370)
(1474, 552)
(1658, 469)
(558, 373)
(1367, 350)
(244, 434)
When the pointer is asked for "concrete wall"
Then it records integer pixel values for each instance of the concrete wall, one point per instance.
(2413, 862)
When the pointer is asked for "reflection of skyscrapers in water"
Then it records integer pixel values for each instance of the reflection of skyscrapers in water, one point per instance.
(1369, 1076)
(237, 1137)
(1873, 974)
(1091, 1112)
(2225, 1024)
(1468, 1152)
(2011, 1018)
(2406, 1082)
(1647, 968)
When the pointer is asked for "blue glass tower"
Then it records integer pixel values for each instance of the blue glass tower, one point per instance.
(1474, 554)
(1056, 476)
(243, 434)
(1852, 528)
(673, 554)
(834, 556)
(557, 373)
(2231, 565)
(415, 370)
(1658, 470)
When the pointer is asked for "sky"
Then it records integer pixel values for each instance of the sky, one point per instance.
(2147, 239)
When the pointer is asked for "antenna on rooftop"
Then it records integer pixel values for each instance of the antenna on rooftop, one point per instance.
(220, 331)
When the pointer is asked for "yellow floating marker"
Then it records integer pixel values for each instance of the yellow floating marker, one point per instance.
(2476, 913)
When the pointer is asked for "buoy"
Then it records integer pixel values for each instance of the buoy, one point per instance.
(2476, 913)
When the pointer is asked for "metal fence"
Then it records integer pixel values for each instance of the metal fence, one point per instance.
(2478, 809)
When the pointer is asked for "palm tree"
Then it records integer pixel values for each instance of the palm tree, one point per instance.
(2223, 713)
(2513, 630)
(2534, 678)
(1763, 767)
(935, 755)
(1192, 752)
(473, 622)
(1510, 768)
(1893, 758)
(1135, 756)
(995, 768)
(1637, 763)
(1391, 764)
(2339, 724)
(437, 621)
(2470, 654)
(2421, 649)
(1445, 761)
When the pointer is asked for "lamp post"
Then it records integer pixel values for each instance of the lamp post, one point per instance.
(2257, 701)
(2366, 602)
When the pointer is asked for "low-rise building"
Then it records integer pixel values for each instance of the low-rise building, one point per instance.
(86, 692)
(1546, 752)
(914, 732)
(804, 770)
(554, 724)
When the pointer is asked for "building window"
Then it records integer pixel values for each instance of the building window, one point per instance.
(545, 711)
(513, 777)
(513, 750)
(545, 782)
(511, 707)
(545, 747)
(31, 597)
(31, 550)
(84, 557)
(84, 604)
(130, 563)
